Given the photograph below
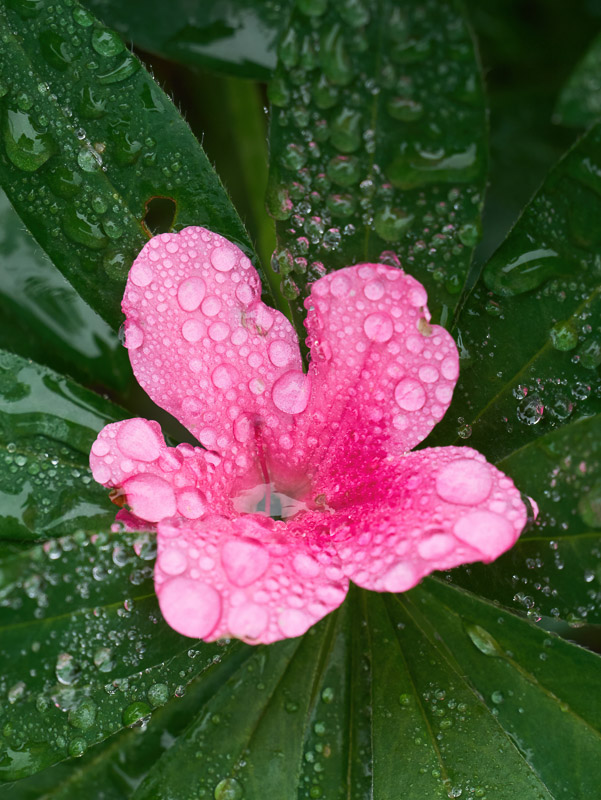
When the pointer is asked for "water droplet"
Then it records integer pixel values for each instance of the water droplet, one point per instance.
(136, 714)
(56, 49)
(67, 670)
(345, 130)
(84, 230)
(124, 69)
(64, 182)
(530, 411)
(484, 641)
(404, 109)
(228, 789)
(28, 145)
(106, 43)
(524, 273)
(158, 694)
(335, 61)
(391, 223)
(563, 335)
(84, 716)
(589, 507)
(89, 159)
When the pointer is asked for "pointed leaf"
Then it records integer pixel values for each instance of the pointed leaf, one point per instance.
(579, 103)
(47, 426)
(84, 649)
(233, 38)
(88, 142)
(42, 317)
(361, 168)
(528, 336)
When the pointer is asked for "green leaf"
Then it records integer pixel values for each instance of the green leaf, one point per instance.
(47, 426)
(88, 141)
(554, 570)
(528, 336)
(579, 103)
(42, 317)
(423, 701)
(235, 38)
(84, 649)
(376, 152)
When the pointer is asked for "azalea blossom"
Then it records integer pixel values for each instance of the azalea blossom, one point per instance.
(303, 481)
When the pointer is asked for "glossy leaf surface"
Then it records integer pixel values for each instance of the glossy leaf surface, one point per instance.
(579, 103)
(360, 168)
(84, 648)
(233, 38)
(88, 141)
(529, 335)
(47, 426)
(45, 319)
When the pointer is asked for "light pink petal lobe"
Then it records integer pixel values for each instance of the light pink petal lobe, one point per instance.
(382, 376)
(246, 578)
(204, 346)
(158, 482)
(430, 510)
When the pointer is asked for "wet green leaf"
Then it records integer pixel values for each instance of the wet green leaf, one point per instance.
(554, 570)
(42, 317)
(529, 335)
(233, 38)
(365, 161)
(579, 103)
(426, 700)
(84, 649)
(47, 426)
(89, 141)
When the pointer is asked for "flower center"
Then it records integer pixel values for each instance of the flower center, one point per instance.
(266, 500)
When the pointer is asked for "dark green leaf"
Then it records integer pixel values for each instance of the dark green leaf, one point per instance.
(236, 38)
(579, 103)
(555, 568)
(42, 317)
(47, 426)
(88, 141)
(426, 701)
(84, 649)
(376, 151)
(529, 336)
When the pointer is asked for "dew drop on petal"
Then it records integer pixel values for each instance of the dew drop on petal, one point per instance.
(141, 274)
(190, 293)
(378, 327)
(244, 561)
(219, 331)
(190, 607)
(374, 290)
(400, 577)
(486, 531)
(291, 392)
(293, 622)
(137, 440)
(173, 561)
(450, 368)
(428, 373)
(436, 545)
(134, 336)
(223, 258)
(191, 503)
(340, 286)
(280, 353)
(150, 497)
(225, 376)
(247, 621)
(192, 330)
(305, 565)
(211, 306)
(464, 481)
(409, 395)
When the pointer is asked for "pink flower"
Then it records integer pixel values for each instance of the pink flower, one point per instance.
(326, 452)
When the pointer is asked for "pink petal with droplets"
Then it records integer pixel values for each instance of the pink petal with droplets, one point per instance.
(159, 481)
(206, 348)
(381, 375)
(247, 577)
(429, 510)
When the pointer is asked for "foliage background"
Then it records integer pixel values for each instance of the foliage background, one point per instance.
(468, 686)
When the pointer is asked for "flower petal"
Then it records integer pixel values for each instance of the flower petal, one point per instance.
(157, 481)
(243, 578)
(429, 510)
(204, 346)
(381, 374)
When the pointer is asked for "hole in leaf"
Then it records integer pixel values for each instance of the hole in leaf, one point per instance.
(160, 215)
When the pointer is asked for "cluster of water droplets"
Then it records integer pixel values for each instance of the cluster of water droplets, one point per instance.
(93, 645)
(359, 110)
